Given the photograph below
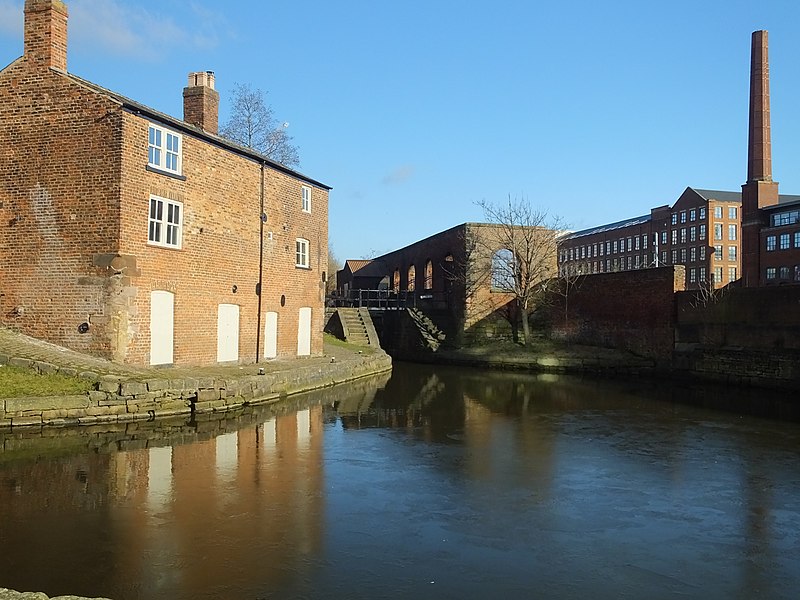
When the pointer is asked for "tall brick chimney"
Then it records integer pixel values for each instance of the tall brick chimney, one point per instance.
(201, 101)
(760, 190)
(46, 33)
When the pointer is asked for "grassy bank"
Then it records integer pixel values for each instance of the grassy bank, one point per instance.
(16, 383)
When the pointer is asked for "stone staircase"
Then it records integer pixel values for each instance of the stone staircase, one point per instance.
(431, 335)
(357, 327)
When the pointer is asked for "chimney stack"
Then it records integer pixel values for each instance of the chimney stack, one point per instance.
(759, 149)
(760, 190)
(201, 101)
(46, 33)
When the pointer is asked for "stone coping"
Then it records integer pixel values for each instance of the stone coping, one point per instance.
(6, 594)
(129, 393)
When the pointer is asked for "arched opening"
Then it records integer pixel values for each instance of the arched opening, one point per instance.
(503, 269)
(429, 274)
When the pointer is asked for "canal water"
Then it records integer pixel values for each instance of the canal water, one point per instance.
(432, 483)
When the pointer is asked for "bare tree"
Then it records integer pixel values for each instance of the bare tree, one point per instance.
(252, 123)
(522, 246)
(334, 265)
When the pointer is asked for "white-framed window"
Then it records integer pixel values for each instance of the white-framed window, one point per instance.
(692, 214)
(164, 149)
(784, 241)
(772, 272)
(306, 199)
(718, 252)
(731, 252)
(732, 232)
(702, 213)
(717, 212)
(702, 232)
(165, 223)
(732, 213)
(732, 275)
(771, 242)
(717, 275)
(301, 259)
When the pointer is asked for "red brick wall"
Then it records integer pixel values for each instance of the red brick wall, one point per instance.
(59, 204)
(752, 318)
(221, 196)
(631, 310)
(74, 197)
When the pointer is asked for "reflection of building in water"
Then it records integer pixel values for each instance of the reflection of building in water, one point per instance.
(199, 517)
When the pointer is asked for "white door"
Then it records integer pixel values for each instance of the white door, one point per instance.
(271, 335)
(227, 332)
(162, 327)
(304, 332)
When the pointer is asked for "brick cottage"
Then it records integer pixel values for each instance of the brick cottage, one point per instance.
(142, 238)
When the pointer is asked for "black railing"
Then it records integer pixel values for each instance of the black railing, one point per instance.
(384, 299)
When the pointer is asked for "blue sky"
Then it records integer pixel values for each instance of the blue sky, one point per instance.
(415, 110)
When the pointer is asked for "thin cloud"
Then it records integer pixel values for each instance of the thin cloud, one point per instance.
(133, 31)
(399, 175)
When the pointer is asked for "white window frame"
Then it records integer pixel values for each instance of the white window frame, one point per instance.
(165, 224)
(302, 247)
(305, 202)
(164, 149)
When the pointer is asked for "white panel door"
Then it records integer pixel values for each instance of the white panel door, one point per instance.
(304, 332)
(227, 332)
(162, 327)
(271, 335)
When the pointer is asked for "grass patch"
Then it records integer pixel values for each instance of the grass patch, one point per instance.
(16, 382)
(331, 340)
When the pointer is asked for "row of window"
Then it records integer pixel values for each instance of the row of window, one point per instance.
(695, 274)
(783, 274)
(784, 241)
(687, 234)
(165, 229)
(700, 213)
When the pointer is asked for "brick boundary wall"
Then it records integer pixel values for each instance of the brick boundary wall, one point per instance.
(628, 310)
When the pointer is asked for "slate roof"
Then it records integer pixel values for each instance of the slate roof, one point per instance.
(608, 227)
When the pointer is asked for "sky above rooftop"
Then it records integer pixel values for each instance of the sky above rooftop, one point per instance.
(414, 111)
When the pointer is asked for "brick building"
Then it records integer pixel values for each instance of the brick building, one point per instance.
(465, 272)
(718, 236)
(771, 221)
(700, 231)
(143, 238)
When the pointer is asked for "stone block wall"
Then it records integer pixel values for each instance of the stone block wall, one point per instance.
(117, 399)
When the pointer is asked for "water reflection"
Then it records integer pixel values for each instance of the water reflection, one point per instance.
(435, 483)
